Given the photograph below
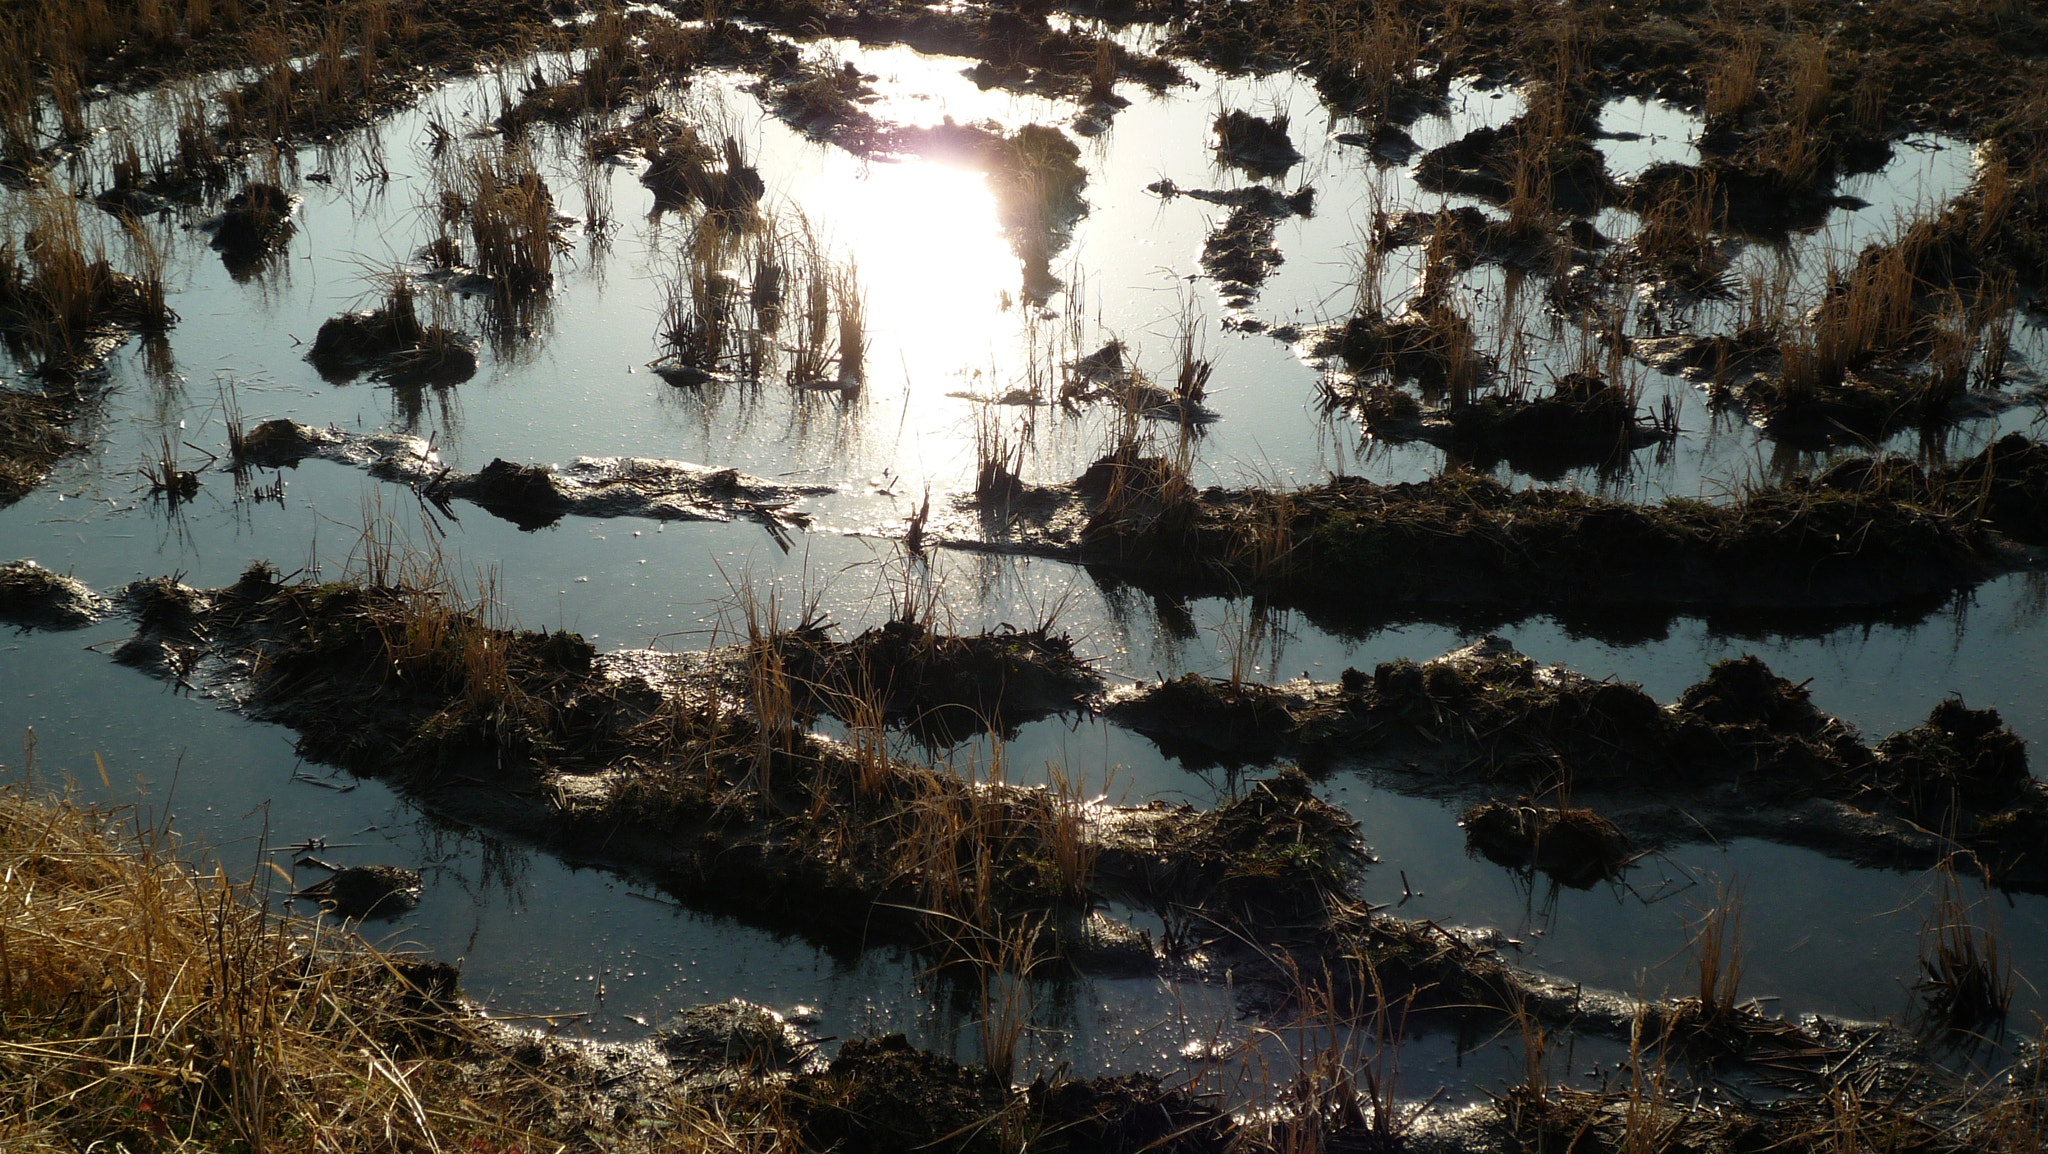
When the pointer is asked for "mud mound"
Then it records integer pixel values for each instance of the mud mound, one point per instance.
(1254, 143)
(734, 1034)
(525, 495)
(1744, 692)
(1959, 762)
(1582, 420)
(1485, 162)
(282, 443)
(1272, 857)
(391, 344)
(255, 222)
(1203, 721)
(944, 685)
(358, 892)
(33, 597)
(1576, 846)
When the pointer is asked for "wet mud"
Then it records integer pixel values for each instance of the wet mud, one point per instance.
(1743, 753)
(391, 344)
(675, 767)
(32, 596)
(253, 225)
(535, 496)
(1868, 536)
(1583, 419)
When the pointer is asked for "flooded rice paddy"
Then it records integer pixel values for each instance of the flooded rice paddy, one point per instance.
(965, 341)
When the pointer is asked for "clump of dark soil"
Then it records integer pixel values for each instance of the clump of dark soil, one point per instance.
(359, 892)
(281, 443)
(1231, 723)
(31, 595)
(685, 170)
(942, 684)
(1956, 767)
(1576, 846)
(1429, 342)
(255, 222)
(525, 495)
(1256, 144)
(1111, 374)
(392, 344)
(734, 1035)
(1523, 157)
(1270, 857)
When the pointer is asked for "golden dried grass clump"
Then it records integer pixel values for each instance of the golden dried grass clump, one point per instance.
(149, 1006)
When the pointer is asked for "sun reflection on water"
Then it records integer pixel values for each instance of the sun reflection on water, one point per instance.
(940, 283)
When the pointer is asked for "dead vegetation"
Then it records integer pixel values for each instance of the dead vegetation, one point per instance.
(1868, 532)
(704, 766)
(63, 304)
(391, 341)
(33, 437)
(155, 1003)
(1568, 772)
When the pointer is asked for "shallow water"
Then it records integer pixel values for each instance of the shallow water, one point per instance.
(947, 314)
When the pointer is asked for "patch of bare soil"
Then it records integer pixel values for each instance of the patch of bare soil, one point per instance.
(1239, 253)
(1582, 419)
(392, 344)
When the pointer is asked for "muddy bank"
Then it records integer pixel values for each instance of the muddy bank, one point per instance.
(1866, 535)
(1770, 87)
(698, 770)
(534, 496)
(1744, 753)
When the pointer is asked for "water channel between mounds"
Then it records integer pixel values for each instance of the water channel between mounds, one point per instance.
(1041, 347)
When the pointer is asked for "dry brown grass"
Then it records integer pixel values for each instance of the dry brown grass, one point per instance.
(151, 1004)
(1732, 88)
(1716, 944)
(61, 295)
(1966, 978)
